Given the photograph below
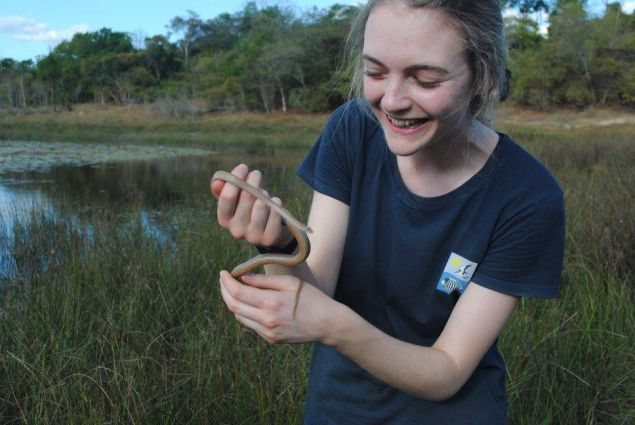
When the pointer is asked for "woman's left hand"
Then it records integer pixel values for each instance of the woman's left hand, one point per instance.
(265, 304)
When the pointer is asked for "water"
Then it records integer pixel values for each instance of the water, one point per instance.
(143, 190)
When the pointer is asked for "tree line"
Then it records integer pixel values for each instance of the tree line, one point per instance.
(270, 58)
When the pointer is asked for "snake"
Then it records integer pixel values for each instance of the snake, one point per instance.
(297, 229)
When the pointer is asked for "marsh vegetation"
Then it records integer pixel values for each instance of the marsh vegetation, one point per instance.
(104, 322)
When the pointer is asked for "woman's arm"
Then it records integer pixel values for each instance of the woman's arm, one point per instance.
(433, 373)
(328, 220)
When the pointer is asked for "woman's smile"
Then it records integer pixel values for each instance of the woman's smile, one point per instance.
(407, 125)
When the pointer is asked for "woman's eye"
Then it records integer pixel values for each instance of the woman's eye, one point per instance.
(373, 74)
(428, 84)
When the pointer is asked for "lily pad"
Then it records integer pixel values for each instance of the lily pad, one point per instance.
(31, 156)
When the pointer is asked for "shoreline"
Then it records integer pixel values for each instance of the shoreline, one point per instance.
(141, 125)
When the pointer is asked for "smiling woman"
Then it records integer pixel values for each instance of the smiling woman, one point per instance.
(426, 228)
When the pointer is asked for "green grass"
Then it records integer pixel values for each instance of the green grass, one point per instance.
(116, 328)
(109, 326)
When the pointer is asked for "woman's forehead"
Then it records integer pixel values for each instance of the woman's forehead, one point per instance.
(398, 33)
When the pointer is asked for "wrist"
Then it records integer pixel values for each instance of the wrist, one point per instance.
(337, 325)
(288, 248)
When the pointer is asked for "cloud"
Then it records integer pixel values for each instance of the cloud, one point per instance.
(28, 29)
(13, 24)
(628, 6)
(52, 36)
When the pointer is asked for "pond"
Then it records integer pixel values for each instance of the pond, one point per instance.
(59, 180)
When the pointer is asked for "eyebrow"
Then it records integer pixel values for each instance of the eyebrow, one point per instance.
(415, 67)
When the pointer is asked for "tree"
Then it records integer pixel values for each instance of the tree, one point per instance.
(570, 32)
(161, 56)
(87, 67)
(528, 6)
(190, 28)
(24, 79)
(613, 56)
(322, 40)
(522, 33)
(219, 34)
(7, 71)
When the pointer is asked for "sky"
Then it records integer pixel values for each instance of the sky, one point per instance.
(31, 28)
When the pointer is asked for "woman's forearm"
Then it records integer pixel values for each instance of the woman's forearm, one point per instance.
(304, 272)
(424, 372)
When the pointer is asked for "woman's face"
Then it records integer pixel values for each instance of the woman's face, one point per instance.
(417, 78)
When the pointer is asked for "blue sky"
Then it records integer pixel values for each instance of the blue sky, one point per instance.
(29, 28)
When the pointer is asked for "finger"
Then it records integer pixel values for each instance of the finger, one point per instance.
(273, 229)
(263, 331)
(216, 187)
(242, 215)
(273, 282)
(228, 197)
(258, 222)
(250, 295)
(237, 306)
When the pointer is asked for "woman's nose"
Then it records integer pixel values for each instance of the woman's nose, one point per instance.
(396, 95)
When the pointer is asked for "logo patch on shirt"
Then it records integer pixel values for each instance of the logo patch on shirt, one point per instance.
(456, 275)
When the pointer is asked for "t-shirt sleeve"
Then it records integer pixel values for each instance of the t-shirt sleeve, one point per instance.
(328, 167)
(526, 252)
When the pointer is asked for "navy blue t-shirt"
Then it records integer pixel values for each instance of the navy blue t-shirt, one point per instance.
(408, 258)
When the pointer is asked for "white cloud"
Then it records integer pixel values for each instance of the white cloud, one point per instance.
(628, 6)
(52, 36)
(28, 29)
(20, 24)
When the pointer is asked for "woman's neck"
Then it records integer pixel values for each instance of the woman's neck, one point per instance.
(446, 166)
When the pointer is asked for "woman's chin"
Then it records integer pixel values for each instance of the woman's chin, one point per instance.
(410, 144)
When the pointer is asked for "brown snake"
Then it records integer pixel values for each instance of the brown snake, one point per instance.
(297, 229)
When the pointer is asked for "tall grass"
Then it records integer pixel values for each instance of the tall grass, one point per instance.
(111, 326)
(572, 361)
(106, 324)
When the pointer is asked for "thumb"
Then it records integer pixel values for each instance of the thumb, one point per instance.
(274, 282)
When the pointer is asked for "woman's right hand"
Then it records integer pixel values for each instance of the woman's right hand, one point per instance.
(247, 217)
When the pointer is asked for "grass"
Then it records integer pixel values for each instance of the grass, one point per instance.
(139, 125)
(110, 326)
(116, 328)
(572, 361)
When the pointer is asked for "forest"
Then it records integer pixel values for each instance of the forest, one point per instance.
(273, 59)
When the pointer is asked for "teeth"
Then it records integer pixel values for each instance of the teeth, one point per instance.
(404, 123)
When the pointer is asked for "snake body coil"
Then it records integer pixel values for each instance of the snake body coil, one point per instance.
(296, 228)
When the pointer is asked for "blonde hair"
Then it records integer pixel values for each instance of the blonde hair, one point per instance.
(480, 22)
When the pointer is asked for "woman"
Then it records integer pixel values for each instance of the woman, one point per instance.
(427, 228)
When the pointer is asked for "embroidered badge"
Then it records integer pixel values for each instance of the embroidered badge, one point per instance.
(456, 275)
